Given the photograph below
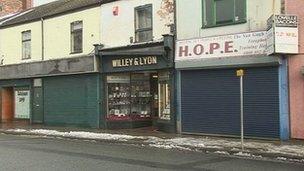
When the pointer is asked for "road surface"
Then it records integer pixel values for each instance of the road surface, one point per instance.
(40, 153)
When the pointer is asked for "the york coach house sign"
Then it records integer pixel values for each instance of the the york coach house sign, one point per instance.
(242, 44)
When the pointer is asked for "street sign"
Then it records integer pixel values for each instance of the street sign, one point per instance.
(240, 72)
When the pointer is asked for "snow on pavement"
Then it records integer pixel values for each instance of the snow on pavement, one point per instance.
(77, 134)
(220, 146)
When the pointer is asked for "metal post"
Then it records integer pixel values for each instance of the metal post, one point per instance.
(242, 112)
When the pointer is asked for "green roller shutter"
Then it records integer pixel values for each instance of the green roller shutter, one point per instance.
(71, 100)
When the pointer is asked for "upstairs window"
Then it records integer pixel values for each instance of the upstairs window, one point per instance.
(76, 37)
(223, 12)
(26, 44)
(143, 23)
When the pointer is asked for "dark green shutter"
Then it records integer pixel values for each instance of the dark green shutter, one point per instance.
(71, 100)
(240, 10)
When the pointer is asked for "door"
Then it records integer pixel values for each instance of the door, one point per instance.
(22, 103)
(37, 105)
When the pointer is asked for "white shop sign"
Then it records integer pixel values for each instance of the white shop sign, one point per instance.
(282, 34)
(243, 44)
(22, 104)
(118, 78)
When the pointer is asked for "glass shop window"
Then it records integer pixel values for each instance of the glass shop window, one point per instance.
(129, 96)
(164, 89)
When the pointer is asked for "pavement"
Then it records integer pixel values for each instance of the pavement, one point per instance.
(286, 151)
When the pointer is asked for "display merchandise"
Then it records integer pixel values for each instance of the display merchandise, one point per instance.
(129, 98)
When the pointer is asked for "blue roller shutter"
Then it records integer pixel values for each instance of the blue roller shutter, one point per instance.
(210, 102)
(261, 102)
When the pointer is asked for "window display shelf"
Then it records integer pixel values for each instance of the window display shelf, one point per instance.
(129, 97)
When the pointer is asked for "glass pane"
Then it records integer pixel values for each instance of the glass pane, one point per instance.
(224, 11)
(144, 18)
(240, 10)
(26, 50)
(77, 41)
(76, 25)
(164, 89)
(118, 98)
(143, 36)
(141, 96)
(26, 35)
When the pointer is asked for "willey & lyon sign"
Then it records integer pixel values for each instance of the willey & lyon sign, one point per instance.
(135, 61)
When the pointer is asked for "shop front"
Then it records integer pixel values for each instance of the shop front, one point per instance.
(63, 92)
(15, 100)
(138, 87)
(209, 88)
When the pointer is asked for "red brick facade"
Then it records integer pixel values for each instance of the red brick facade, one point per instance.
(13, 6)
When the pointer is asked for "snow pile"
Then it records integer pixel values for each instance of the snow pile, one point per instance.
(78, 134)
(221, 152)
(217, 145)
(230, 145)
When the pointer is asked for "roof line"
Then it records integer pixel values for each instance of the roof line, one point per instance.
(15, 16)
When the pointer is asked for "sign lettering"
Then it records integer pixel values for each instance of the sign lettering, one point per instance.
(243, 44)
(138, 61)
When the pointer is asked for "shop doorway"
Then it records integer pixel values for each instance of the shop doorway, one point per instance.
(7, 104)
(138, 98)
(15, 104)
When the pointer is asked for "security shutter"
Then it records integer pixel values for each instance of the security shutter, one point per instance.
(71, 100)
(261, 102)
(210, 102)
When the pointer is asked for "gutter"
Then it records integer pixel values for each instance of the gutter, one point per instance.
(42, 39)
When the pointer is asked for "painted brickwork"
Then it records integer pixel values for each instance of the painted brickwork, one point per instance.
(296, 79)
(13, 6)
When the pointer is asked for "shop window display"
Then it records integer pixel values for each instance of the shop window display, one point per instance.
(137, 96)
(140, 96)
(129, 97)
(118, 97)
(164, 95)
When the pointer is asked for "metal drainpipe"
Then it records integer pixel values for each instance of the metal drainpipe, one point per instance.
(42, 39)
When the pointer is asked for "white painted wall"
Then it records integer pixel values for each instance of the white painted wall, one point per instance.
(189, 18)
(11, 43)
(57, 37)
(117, 30)
(57, 33)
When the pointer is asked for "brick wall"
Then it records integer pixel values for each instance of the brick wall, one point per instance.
(296, 79)
(13, 6)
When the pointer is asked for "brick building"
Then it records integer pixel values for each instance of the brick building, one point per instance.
(13, 6)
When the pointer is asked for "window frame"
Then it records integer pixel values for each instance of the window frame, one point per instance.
(214, 24)
(72, 32)
(138, 30)
(23, 41)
